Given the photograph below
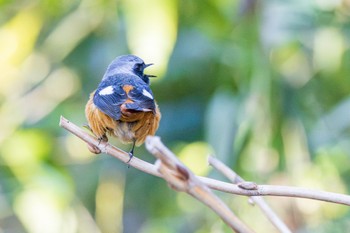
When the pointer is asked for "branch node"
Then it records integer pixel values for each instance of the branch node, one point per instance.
(183, 172)
(247, 185)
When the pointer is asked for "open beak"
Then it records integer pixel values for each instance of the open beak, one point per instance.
(148, 75)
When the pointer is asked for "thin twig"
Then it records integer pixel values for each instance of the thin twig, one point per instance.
(265, 208)
(262, 190)
(180, 178)
(107, 148)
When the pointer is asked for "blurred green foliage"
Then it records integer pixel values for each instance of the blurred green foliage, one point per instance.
(264, 85)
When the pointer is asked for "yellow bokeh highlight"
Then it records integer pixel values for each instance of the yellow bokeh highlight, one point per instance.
(38, 211)
(77, 150)
(43, 204)
(292, 63)
(195, 156)
(25, 148)
(17, 40)
(109, 201)
(18, 36)
(329, 47)
(152, 30)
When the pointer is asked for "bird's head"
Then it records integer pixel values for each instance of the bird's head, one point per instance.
(128, 64)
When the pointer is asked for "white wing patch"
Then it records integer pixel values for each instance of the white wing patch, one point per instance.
(107, 91)
(147, 94)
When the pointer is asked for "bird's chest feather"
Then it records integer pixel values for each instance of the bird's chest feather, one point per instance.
(124, 131)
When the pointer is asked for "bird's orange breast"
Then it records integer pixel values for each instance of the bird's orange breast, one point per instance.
(133, 125)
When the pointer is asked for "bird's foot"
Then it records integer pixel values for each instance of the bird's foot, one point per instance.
(131, 155)
(93, 149)
(103, 138)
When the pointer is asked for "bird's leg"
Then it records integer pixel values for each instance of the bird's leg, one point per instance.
(103, 138)
(131, 153)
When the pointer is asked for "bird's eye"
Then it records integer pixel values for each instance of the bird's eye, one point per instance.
(139, 67)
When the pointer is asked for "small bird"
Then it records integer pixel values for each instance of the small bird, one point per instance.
(123, 104)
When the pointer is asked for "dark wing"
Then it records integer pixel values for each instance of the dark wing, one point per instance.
(141, 97)
(109, 98)
(134, 93)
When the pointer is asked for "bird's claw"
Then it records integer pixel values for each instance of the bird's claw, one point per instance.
(131, 155)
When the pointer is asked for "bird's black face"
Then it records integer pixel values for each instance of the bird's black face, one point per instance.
(138, 70)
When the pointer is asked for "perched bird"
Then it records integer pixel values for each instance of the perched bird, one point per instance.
(123, 104)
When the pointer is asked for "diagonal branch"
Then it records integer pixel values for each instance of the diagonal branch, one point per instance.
(180, 178)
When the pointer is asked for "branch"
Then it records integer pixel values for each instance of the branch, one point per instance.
(265, 208)
(180, 178)
(107, 148)
(259, 190)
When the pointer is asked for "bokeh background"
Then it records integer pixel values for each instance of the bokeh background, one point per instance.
(263, 85)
